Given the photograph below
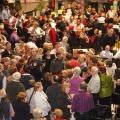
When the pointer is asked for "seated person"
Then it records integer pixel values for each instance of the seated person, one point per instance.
(106, 53)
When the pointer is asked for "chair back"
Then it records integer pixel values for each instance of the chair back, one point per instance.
(117, 62)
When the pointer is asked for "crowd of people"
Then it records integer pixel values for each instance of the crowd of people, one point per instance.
(57, 66)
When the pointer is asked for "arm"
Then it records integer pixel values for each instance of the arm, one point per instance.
(4, 83)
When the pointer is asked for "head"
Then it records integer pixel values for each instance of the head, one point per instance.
(8, 46)
(68, 65)
(22, 96)
(108, 63)
(47, 76)
(82, 58)
(102, 69)
(64, 74)
(65, 87)
(35, 25)
(69, 6)
(54, 79)
(110, 32)
(7, 7)
(94, 70)
(58, 113)
(65, 39)
(37, 113)
(76, 71)
(83, 86)
(13, 62)
(107, 48)
(16, 76)
(26, 68)
(38, 86)
(111, 7)
(59, 56)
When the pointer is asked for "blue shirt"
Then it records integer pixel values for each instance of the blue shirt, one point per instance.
(5, 14)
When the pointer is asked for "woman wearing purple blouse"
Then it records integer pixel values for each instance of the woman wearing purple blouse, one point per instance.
(14, 38)
(75, 81)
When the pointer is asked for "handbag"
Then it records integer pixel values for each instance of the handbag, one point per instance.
(102, 111)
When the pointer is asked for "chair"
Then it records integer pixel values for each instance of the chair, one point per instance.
(117, 62)
(115, 101)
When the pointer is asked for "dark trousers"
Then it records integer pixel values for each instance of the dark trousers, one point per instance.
(105, 101)
(95, 97)
(83, 116)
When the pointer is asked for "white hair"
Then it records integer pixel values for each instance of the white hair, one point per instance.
(37, 113)
(2, 93)
(95, 69)
(76, 71)
(65, 37)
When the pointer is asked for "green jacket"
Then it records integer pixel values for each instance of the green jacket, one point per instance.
(106, 85)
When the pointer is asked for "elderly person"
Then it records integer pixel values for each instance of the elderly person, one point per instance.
(64, 101)
(106, 53)
(64, 43)
(14, 87)
(75, 81)
(7, 107)
(105, 88)
(37, 114)
(94, 84)
(82, 103)
(38, 99)
(21, 107)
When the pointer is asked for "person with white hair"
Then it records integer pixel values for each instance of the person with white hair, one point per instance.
(64, 43)
(106, 53)
(14, 87)
(8, 111)
(37, 114)
(94, 84)
(75, 81)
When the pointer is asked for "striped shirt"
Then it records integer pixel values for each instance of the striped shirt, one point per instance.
(82, 102)
(94, 84)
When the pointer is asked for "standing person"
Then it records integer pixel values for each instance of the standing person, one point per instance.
(14, 87)
(109, 39)
(83, 103)
(50, 34)
(37, 34)
(38, 99)
(8, 51)
(21, 107)
(64, 101)
(94, 84)
(75, 81)
(7, 107)
(105, 88)
(3, 80)
(57, 63)
(52, 93)
(5, 14)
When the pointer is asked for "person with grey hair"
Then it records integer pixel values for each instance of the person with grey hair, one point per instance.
(14, 87)
(37, 114)
(7, 108)
(94, 84)
(75, 81)
(64, 43)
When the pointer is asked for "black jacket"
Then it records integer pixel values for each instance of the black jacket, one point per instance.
(63, 101)
(22, 110)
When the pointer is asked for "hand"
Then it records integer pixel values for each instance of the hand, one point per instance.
(69, 106)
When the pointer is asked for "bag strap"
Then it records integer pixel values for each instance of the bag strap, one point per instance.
(31, 96)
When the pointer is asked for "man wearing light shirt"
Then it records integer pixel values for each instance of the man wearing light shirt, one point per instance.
(5, 13)
(106, 53)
